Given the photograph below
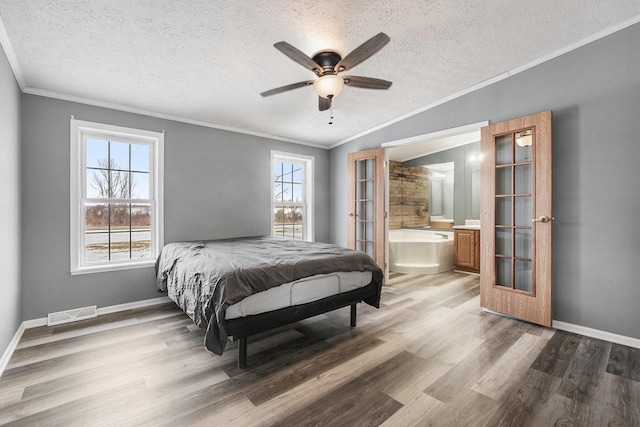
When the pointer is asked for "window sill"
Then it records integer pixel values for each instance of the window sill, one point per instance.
(112, 267)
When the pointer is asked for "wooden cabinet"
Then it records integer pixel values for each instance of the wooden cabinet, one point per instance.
(466, 252)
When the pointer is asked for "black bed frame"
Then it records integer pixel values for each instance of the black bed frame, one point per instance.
(242, 327)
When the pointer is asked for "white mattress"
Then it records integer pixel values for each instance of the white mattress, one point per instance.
(299, 292)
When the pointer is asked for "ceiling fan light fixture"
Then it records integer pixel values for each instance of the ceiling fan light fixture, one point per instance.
(327, 64)
(525, 139)
(329, 86)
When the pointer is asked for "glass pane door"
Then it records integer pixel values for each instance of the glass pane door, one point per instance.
(516, 218)
(365, 206)
(514, 203)
(365, 225)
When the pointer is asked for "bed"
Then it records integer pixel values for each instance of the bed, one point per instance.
(244, 286)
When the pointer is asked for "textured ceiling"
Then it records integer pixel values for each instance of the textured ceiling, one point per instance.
(207, 61)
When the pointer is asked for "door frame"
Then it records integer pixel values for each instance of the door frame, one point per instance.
(434, 146)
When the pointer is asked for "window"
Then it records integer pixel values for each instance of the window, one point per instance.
(292, 196)
(116, 197)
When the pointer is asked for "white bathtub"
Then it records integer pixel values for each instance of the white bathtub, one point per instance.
(420, 251)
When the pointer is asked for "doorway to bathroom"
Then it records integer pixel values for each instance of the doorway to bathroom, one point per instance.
(433, 186)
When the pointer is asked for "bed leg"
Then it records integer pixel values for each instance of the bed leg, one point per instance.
(242, 352)
(353, 314)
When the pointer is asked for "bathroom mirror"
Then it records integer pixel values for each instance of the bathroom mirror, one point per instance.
(441, 189)
(475, 191)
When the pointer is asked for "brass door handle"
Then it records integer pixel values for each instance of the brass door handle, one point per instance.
(351, 214)
(543, 219)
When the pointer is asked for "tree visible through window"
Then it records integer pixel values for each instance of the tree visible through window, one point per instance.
(288, 202)
(291, 196)
(117, 206)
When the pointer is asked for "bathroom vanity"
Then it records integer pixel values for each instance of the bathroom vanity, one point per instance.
(466, 248)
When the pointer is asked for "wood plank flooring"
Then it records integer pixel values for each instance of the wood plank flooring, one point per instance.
(428, 357)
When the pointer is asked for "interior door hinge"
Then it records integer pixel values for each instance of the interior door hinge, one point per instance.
(386, 214)
(385, 164)
(385, 265)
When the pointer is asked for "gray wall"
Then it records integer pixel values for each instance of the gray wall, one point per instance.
(217, 185)
(594, 93)
(10, 302)
(461, 176)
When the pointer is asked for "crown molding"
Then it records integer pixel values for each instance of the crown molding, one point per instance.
(133, 110)
(11, 55)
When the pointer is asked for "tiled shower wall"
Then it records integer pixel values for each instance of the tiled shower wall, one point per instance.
(408, 196)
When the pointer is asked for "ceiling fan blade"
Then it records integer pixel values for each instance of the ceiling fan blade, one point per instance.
(299, 57)
(367, 82)
(362, 52)
(286, 88)
(324, 103)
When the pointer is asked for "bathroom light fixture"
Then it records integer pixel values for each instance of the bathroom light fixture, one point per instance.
(525, 138)
(329, 86)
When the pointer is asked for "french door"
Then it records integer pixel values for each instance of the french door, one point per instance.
(366, 204)
(516, 218)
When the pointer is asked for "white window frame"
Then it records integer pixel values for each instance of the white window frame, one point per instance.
(155, 140)
(307, 190)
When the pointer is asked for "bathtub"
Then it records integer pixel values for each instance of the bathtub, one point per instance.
(420, 251)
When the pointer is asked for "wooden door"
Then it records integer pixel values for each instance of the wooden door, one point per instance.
(366, 204)
(516, 218)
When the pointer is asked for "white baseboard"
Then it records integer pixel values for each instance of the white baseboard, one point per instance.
(131, 305)
(34, 323)
(4, 360)
(596, 333)
(587, 332)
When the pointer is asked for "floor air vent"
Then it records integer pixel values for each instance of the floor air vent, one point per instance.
(72, 315)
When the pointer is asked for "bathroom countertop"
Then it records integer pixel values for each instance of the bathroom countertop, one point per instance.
(466, 227)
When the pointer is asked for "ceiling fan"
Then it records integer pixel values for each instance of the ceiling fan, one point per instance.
(326, 64)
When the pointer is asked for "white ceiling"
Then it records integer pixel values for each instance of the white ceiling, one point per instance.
(206, 61)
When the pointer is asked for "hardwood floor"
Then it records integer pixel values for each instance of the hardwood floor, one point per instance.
(429, 356)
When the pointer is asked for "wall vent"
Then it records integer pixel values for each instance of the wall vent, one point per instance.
(72, 315)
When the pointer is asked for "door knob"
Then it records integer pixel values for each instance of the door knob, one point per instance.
(351, 214)
(543, 219)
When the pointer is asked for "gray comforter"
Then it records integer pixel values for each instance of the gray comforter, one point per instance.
(204, 278)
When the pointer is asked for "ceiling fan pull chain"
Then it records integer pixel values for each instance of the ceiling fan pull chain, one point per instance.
(331, 113)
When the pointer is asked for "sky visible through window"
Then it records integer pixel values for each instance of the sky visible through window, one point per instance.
(288, 199)
(117, 230)
(98, 151)
(288, 182)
